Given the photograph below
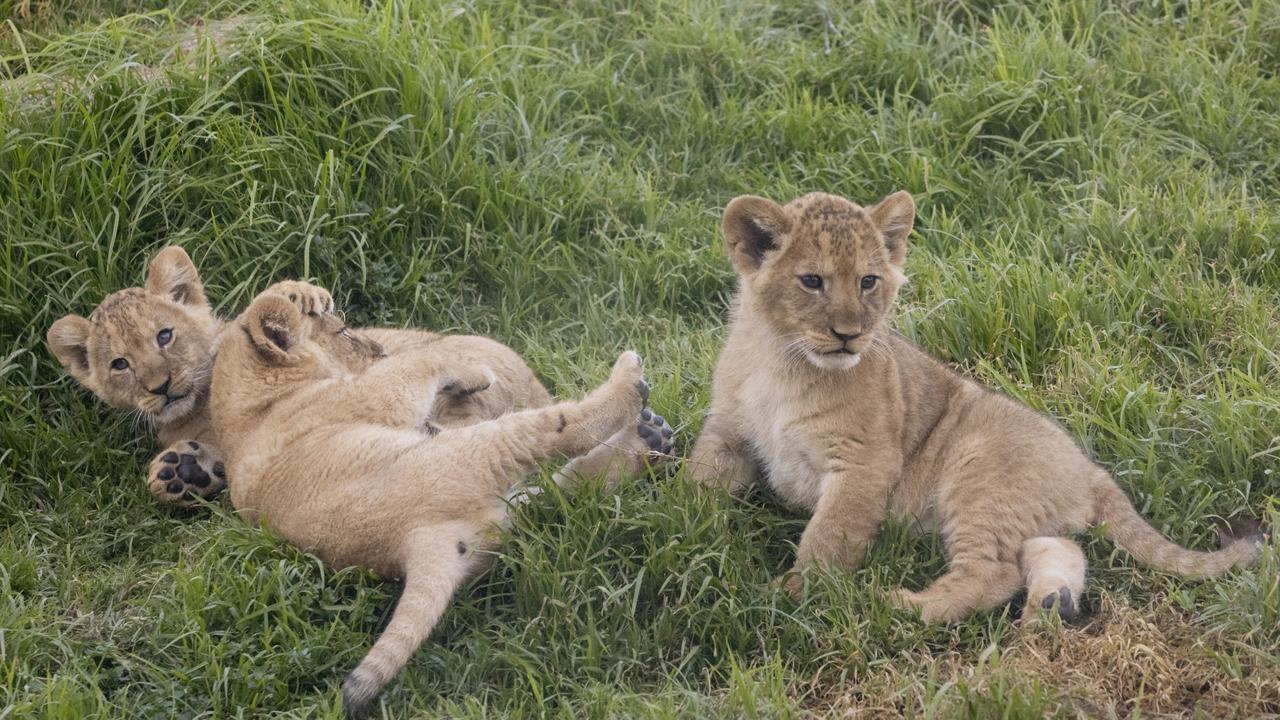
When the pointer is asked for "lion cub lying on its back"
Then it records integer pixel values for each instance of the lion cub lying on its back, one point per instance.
(150, 350)
(851, 422)
(336, 462)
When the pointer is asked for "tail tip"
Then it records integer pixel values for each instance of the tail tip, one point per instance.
(357, 692)
(1242, 528)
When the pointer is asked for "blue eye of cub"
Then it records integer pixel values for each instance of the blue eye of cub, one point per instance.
(813, 282)
(869, 281)
(164, 336)
(119, 364)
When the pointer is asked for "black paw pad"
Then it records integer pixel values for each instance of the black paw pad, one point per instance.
(165, 474)
(170, 457)
(642, 388)
(193, 444)
(220, 470)
(174, 487)
(193, 474)
(656, 433)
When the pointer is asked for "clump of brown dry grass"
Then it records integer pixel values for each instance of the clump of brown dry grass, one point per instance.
(1150, 662)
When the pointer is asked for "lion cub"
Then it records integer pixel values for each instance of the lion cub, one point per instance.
(851, 422)
(335, 461)
(149, 350)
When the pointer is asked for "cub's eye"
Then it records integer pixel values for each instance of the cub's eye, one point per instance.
(119, 364)
(164, 336)
(813, 282)
(869, 281)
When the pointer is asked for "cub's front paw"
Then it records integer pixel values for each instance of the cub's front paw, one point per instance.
(184, 472)
(310, 299)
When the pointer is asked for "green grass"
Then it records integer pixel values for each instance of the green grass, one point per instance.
(1099, 192)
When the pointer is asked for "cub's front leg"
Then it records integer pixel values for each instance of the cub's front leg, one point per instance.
(721, 458)
(855, 496)
(186, 472)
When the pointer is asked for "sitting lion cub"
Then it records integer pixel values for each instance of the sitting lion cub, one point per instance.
(335, 462)
(852, 422)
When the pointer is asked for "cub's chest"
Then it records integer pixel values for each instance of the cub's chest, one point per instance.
(773, 418)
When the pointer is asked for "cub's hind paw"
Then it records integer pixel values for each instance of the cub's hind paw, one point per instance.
(656, 433)
(186, 471)
(1062, 601)
(463, 387)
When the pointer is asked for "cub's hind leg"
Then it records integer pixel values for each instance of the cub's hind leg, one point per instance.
(437, 560)
(510, 447)
(972, 583)
(982, 546)
(1053, 570)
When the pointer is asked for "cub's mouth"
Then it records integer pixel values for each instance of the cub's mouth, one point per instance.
(838, 359)
(176, 406)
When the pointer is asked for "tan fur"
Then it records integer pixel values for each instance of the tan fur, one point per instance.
(335, 460)
(854, 428)
(190, 467)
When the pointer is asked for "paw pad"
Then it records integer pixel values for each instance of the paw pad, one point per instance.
(655, 432)
(1067, 609)
(181, 477)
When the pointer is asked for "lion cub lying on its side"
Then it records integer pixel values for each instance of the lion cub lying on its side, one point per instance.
(335, 461)
(851, 421)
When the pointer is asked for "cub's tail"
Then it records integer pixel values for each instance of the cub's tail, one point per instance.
(1130, 531)
(437, 562)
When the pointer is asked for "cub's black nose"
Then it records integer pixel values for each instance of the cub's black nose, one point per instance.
(845, 337)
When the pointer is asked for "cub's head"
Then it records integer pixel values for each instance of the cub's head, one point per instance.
(148, 349)
(820, 272)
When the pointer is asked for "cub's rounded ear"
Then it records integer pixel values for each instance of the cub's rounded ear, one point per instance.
(894, 216)
(753, 228)
(276, 327)
(173, 275)
(68, 338)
